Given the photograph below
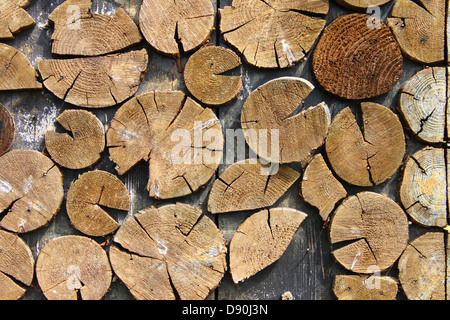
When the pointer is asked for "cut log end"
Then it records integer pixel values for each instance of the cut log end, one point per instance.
(7, 130)
(369, 232)
(166, 129)
(261, 240)
(13, 18)
(247, 186)
(89, 199)
(285, 32)
(16, 70)
(175, 27)
(73, 268)
(360, 69)
(270, 115)
(369, 155)
(169, 252)
(16, 266)
(364, 287)
(203, 78)
(31, 190)
(82, 146)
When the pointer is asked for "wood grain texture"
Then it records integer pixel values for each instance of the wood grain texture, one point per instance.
(173, 27)
(73, 268)
(422, 268)
(169, 252)
(361, 69)
(248, 185)
(423, 189)
(13, 18)
(89, 34)
(420, 27)
(272, 34)
(273, 129)
(364, 287)
(95, 82)
(16, 71)
(373, 230)
(16, 266)
(82, 145)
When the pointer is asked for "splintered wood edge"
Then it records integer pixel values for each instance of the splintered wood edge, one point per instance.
(88, 199)
(16, 266)
(92, 34)
(13, 18)
(81, 148)
(261, 240)
(17, 71)
(248, 185)
(267, 116)
(202, 75)
(169, 252)
(320, 188)
(73, 267)
(246, 20)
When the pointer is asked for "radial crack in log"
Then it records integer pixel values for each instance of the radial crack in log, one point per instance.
(247, 186)
(181, 140)
(13, 18)
(367, 156)
(73, 267)
(273, 34)
(16, 266)
(320, 188)
(83, 146)
(173, 27)
(419, 27)
(423, 189)
(89, 195)
(354, 61)
(364, 287)
(270, 128)
(31, 190)
(16, 71)
(374, 230)
(261, 240)
(7, 130)
(95, 82)
(422, 268)
(171, 251)
(423, 104)
(203, 78)
(91, 34)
